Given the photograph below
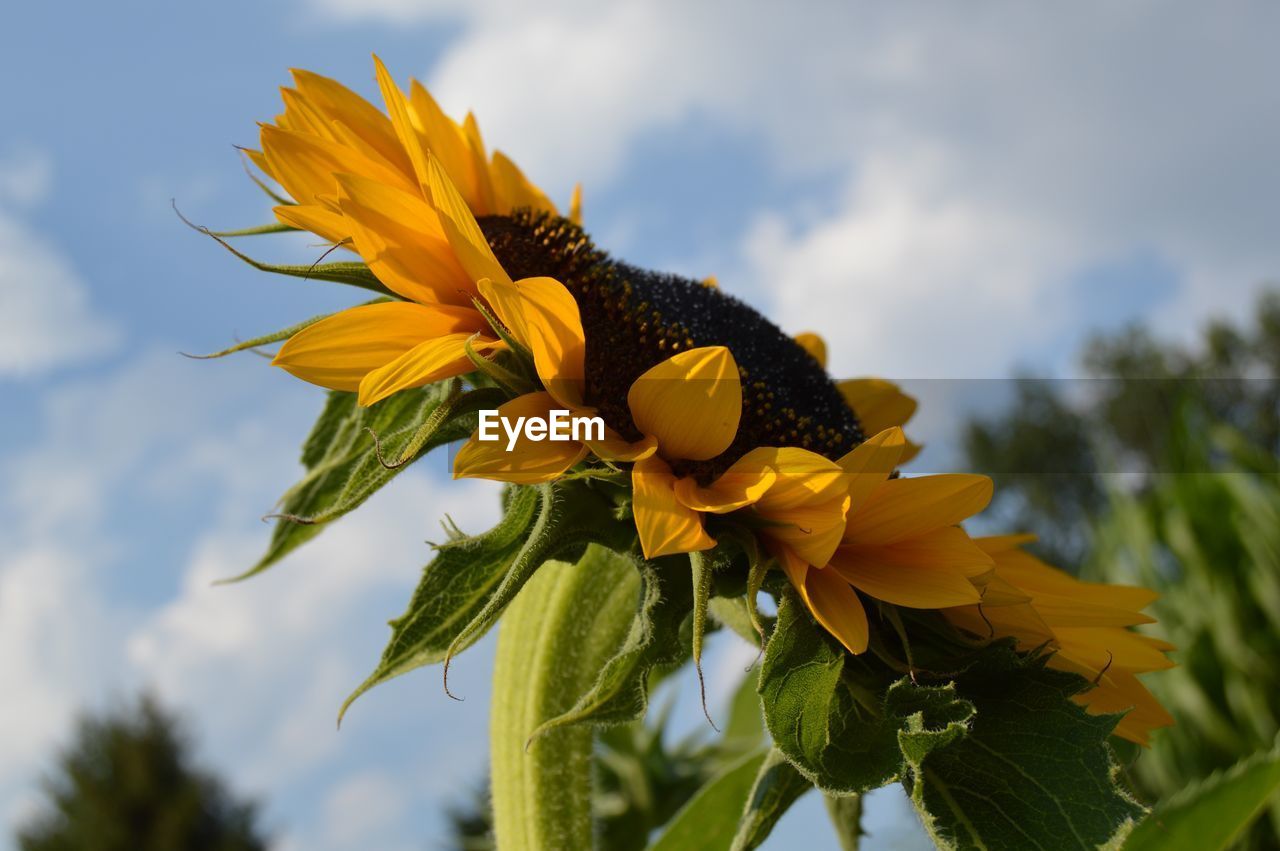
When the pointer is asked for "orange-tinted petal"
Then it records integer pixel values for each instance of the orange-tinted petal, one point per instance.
(814, 345)
(743, 484)
(464, 234)
(829, 598)
(543, 317)
(871, 463)
(903, 580)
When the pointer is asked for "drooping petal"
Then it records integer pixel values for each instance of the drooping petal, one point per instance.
(665, 526)
(1121, 691)
(743, 484)
(903, 581)
(431, 360)
(804, 479)
(691, 402)
(339, 351)
(871, 463)
(829, 598)
(904, 508)
(542, 315)
(615, 447)
(399, 235)
(529, 461)
(1104, 648)
(1033, 575)
(814, 345)
(468, 241)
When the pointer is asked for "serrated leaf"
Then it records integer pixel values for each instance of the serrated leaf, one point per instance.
(710, 820)
(1032, 769)
(1213, 813)
(472, 580)
(778, 785)
(341, 457)
(454, 588)
(621, 691)
(995, 756)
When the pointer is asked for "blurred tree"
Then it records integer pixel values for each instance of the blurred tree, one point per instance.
(127, 783)
(1050, 451)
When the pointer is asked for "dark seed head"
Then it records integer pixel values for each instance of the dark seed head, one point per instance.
(634, 319)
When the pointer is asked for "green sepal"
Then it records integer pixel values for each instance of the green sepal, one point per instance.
(274, 336)
(257, 230)
(342, 457)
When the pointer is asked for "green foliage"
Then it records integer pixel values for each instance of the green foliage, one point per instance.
(995, 755)
(128, 784)
(345, 456)
(778, 785)
(710, 820)
(1212, 814)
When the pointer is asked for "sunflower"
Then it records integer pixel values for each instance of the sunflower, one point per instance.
(1085, 625)
(709, 407)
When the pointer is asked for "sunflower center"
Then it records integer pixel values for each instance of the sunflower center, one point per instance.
(634, 319)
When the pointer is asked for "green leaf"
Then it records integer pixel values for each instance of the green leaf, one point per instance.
(995, 756)
(1213, 813)
(620, 693)
(710, 820)
(454, 588)
(342, 462)
(745, 726)
(846, 819)
(778, 785)
(471, 581)
(1032, 769)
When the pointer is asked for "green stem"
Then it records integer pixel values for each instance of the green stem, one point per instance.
(554, 638)
(846, 818)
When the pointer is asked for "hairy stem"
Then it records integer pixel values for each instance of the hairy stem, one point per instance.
(554, 638)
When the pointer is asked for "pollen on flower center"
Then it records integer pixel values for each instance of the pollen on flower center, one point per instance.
(634, 319)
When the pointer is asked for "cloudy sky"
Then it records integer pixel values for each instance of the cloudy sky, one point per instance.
(945, 190)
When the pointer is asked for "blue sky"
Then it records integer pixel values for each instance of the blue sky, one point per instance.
(941, 191)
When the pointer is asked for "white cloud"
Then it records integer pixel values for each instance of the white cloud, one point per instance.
(140, 469)
(46, 320)
(984, 156)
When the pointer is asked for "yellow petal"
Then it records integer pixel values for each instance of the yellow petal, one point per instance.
(307, 166)
(339, 351)
(1066, 611)
(614, 447)
(402, 120)
(905, 508)
(691, 402)
(815, 346)
(448, 144)
(885, 575)
(947, 547)
(871, 463)
(514, 191)
(804, 479)
(743, 484)
(399, 235)
(1121, 691)
(812, 531)
(877, 403)
(543, 317)
(575, 205)
(529, 461)
(468, 241)
(829, 598)
(1097, 648)
(431, 360)
(318, 219)
(665, 526)
(339, 103)
(1034, 576)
